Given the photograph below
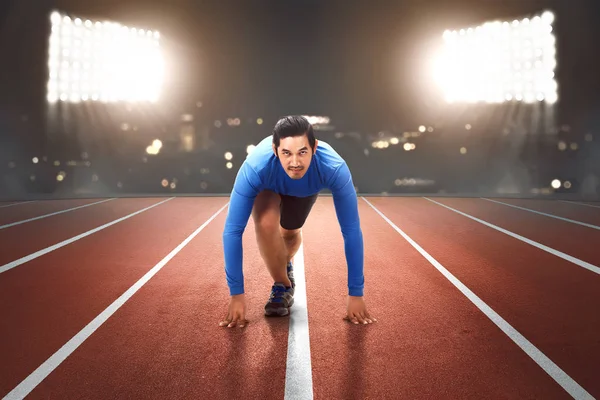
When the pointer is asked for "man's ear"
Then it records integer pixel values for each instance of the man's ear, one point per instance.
(274, 149)
(316, 145)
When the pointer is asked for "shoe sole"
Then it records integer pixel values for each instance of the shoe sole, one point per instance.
(280, 311)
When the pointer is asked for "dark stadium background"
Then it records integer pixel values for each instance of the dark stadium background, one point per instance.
(361, 64)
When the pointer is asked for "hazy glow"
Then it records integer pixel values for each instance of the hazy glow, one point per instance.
(102, 61)
(499, 61)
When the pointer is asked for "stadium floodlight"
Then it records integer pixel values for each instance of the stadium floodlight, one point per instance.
(500, 61)
(102, 61)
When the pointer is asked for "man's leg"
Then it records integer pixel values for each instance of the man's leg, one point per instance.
(292, 239)
(294, 212)
(278, 219)
(272, 246)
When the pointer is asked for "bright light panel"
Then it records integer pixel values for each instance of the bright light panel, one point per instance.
(102, 61)
(500, 61)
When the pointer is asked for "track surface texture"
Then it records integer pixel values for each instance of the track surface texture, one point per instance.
(475, 298)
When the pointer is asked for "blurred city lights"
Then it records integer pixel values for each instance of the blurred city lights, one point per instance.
(562, 146)
(317, 120)
(154, 148)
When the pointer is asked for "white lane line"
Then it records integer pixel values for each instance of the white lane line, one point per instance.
(17, 204)
(547, 249)
(578, 203)
(47, 250)
(545, 214)
(298, 375)
(41, 372)
(561, 377)
(51, 214)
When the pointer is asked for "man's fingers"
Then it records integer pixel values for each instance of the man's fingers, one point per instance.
(242, 321)
(361, 318)
(239, 319)
(226, 321)
(370, 318)
(234, 321)
(352, 318)
(365, 316)
(236, 315)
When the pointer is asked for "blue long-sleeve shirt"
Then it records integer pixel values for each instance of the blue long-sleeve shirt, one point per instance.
(261, 170)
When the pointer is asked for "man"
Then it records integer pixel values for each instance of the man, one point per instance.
(278, 184)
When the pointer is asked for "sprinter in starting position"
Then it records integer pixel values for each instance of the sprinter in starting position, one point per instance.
(278, 184)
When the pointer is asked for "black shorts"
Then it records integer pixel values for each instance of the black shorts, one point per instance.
(295, 210)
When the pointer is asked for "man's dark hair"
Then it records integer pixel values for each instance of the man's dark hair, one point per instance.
(291, 126)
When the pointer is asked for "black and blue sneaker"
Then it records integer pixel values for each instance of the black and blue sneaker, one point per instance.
(280, 301)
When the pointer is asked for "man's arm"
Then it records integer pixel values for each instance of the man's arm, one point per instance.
(245, 189)
(346, 208)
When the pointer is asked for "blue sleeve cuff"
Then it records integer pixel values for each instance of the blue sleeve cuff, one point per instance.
(235, 290)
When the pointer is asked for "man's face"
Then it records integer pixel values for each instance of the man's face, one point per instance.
(295, 155)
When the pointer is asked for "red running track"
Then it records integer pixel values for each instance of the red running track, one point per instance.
(35, 209)
(431, 340)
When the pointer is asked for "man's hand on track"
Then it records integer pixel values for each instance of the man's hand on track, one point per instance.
(236, 314)
(357, 311)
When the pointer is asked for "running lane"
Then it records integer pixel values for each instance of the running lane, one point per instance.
(22, 212)
(21, 240)
(430, 341)
(567, 237)
(550, 301)
(593, 204)
(577, 212)
(11, 204)
(165, 342)
(48, 300)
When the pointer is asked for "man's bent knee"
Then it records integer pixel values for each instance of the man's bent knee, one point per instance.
(289, 233)
(265, 213)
